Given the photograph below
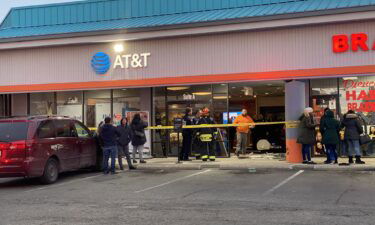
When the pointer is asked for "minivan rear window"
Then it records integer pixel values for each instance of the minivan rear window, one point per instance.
(13, 131)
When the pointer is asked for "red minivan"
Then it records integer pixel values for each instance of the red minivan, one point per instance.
(44, 146)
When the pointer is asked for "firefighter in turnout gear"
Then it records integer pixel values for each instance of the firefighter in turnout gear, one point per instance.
(207, 136)
(196, 140)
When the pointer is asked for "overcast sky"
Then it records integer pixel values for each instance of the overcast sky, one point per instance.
(6, 5)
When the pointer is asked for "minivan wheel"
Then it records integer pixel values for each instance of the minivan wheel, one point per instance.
(51, 172)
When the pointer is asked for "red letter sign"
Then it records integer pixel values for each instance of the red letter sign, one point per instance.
(340, 43)
(359, 40)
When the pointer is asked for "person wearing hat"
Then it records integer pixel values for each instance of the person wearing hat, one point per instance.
(206, 136)
(306, 135)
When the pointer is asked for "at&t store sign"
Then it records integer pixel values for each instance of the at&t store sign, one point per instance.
(102, 62)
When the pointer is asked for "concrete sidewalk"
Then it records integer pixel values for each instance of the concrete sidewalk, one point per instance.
(252, 163)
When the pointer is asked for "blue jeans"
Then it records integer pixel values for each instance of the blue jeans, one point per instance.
(331, 152)
(109, 151)
(353, 148)
(306, 152)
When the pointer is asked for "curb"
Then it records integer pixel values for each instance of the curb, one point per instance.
(176, 167)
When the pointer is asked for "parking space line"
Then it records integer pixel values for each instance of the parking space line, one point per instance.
(62, 184)
(172, 181)
(283, 182)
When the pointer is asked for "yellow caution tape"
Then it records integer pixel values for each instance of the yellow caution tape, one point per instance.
(288, 124)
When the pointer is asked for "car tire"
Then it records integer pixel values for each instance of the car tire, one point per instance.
(51, 172)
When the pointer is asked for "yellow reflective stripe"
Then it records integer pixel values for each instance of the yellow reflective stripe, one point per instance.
(204, 156)
(212, 157)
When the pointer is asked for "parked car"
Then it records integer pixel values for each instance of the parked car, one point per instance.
(44, 146)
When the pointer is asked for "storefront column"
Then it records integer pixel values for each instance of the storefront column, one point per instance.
(296, 99)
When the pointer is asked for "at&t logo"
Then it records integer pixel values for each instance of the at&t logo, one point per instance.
(100, 63)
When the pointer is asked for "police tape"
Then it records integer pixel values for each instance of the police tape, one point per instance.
(288, 124)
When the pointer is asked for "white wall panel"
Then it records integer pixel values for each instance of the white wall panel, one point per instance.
(255, 51)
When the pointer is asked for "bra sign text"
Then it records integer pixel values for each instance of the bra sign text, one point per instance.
(355, 42)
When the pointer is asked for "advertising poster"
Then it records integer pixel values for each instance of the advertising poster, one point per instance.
(145, 116)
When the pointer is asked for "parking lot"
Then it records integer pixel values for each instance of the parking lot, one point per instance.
(192, 197)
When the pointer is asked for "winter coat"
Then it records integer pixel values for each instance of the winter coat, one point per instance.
(125, 135)
(138, 133)
(353, 128)
(109, 134)
(206, 120)
(306, 130)
(330, 128)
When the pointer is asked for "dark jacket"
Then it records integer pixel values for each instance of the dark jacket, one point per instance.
(108, 134)
(353, 128)
(330, 128)
(206, 120)
(138, 133)
(125, 135)
(188, 121)
(306, 130)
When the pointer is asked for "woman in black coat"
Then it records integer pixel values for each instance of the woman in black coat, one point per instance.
(306, 135)
(138, 136)
(330, 128)
(123, 143)
(353, 130)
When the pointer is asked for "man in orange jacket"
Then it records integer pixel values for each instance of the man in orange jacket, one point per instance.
(242, 131)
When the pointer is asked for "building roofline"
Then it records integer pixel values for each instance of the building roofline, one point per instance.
(314, 14)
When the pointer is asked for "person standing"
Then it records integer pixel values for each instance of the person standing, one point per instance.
(197, 144)
(321, 128)
(109, 134)
(187, 136)
(353, 130)
(306, 135)
(243, 131)
(206, 136)
(123, 143)
(330, 128)
(138, 137)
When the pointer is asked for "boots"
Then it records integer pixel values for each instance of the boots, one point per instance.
(358, 160)
(351, 160)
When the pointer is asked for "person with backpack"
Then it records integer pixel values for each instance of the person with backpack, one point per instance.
(353, 130)
(123, 143)
(306, 135)
(330, 128)
(138, 137)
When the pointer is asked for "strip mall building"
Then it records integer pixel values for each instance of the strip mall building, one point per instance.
(91, 59)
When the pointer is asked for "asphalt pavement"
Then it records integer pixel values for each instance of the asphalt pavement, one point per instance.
(208, 196)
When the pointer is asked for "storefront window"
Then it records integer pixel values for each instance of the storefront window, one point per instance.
(70, 104)
(42, 104)
(324, 95)
(358, 94)
(265, 102)
(125, 100)
(160, 140)
(97, 106)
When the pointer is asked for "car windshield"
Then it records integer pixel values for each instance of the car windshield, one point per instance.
(13, 131)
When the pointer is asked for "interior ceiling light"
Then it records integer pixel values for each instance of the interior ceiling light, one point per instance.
(201, 93)
(177, 88)
(350, 78)
(248, 91)
(220, 97)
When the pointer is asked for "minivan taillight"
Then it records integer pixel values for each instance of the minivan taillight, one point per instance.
(13, 151)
